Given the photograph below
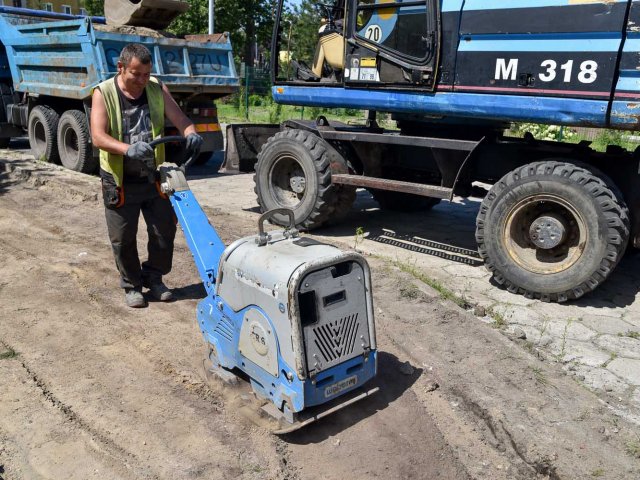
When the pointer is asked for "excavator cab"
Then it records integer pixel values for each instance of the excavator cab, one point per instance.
(372, 43)
(328, 59)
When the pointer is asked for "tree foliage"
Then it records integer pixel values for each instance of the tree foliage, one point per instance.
(300, 30)
(194, 21)
(250, 23)
(94, 7)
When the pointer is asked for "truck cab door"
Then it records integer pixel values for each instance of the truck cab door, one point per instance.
(392, 43)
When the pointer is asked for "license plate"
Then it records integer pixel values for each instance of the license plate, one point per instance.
(335, 388)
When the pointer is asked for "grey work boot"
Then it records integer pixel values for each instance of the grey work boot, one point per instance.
(160, 291)
(134, 298)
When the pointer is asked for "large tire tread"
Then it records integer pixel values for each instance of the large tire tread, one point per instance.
(606, 195)
(323, 206)
(84, 161)
(49, 119)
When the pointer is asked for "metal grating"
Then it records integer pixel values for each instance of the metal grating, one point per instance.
(224, 328)
(335, 340)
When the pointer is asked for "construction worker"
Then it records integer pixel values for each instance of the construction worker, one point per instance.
(128, 112)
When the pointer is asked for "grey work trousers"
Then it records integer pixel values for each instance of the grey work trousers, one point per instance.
(122, 225)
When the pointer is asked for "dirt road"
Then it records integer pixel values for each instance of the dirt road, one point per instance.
(92, 389)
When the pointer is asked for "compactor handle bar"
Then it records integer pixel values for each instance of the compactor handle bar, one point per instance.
(291, 230)
(178, 139)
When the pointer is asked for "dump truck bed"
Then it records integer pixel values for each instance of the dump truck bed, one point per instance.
(69, 58)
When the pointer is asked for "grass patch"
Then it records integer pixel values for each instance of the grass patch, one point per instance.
(539, 376)
(597, 473)
(565, 332)
(630, 334)
(443, 291)
(633, 448)
(8, 353)
(270, 112)
(409, 291)
(358, 237)
(499, 321)
(612, 357)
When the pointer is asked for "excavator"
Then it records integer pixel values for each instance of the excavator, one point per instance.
(556, 216)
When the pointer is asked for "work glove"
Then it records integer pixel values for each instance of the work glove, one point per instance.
(141, 151)
(144, 154)
(194, 143)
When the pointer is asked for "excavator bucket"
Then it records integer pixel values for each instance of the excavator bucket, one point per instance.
(244, 141)
(155, 14)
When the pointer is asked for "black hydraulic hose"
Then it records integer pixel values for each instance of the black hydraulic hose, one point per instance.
(177, 139)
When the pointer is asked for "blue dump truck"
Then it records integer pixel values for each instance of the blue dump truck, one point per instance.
(49, 64)
(454, 75)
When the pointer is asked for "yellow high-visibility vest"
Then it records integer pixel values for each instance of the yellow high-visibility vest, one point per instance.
(110, 162)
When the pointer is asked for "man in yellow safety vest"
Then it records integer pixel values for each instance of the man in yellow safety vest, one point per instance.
(128, 112)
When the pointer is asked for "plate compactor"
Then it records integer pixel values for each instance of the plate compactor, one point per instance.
(292, 314)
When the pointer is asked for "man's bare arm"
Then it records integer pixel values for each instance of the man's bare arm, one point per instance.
(176, 115)
(99, 127)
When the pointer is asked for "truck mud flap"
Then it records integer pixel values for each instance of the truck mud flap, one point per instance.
(244, 142)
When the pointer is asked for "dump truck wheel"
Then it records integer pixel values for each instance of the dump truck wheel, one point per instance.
(42, 127)
(552, 230)
(74, 142)
(4, 142)
(293, 171)
(403, 202)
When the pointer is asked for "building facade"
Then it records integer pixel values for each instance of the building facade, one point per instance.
(73, 7)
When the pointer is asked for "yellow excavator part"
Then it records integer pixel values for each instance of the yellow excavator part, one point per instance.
(331, 50)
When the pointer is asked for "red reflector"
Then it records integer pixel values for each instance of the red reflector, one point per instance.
(207, 127)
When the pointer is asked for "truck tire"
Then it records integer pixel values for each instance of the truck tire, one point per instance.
(4, 142)
(293, 171)
(74, 142)
(552, 230)
(403, 202)
(42, 126)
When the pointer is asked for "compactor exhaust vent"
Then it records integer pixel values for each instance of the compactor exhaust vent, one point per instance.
(336, 340)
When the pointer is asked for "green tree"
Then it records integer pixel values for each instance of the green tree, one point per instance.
(304, 21)
(194, 21)
(94, 7)
(250, 23)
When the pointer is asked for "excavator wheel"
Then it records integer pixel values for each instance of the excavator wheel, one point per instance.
(155, 14)
(294, 171)
(552, 230)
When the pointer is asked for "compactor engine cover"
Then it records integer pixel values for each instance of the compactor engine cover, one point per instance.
(297, 318)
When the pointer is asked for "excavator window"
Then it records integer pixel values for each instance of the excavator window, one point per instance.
(311, 46)
(380, 43)
(396, 26)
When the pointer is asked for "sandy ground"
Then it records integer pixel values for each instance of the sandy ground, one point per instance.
(92, 389)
